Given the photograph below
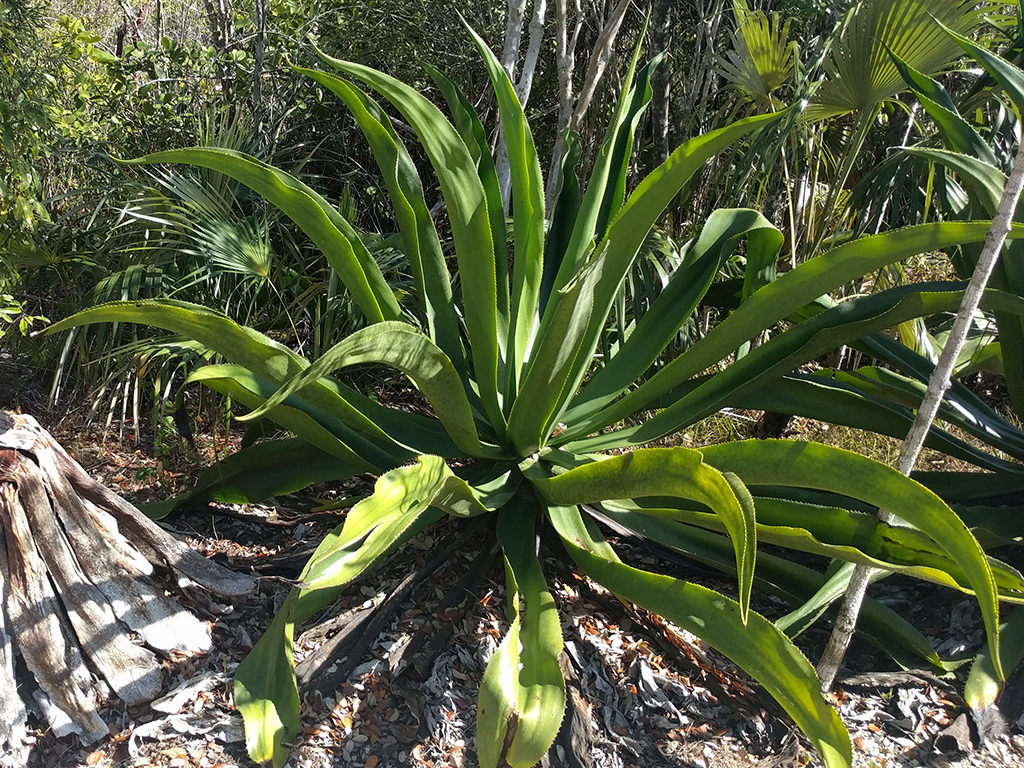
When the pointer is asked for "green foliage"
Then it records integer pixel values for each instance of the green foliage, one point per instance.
(762, 58)
(520, 406)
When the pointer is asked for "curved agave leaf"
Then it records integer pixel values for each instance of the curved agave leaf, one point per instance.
(313, 215)
(757, 646)
(843, 324)
(797, 584)
(983, 682)
(835, 397)
(257, 472)
(590, 220)
(575, 317)
(783, 297)
(265, 693)
(421, 244)
(980, 177)
(399, 508)
(468, 215)
(956, 131)
(405, 348)
(676, 472)
(564, 214)
(265, 358)
(964, 407)
(468, 124)
(522, 692)
(1009, 272)
(809, 465)
(722, 232)
(841, 534)
(240, 384)
(1010, 77)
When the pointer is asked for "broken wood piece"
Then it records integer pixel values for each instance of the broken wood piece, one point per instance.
(76, 597)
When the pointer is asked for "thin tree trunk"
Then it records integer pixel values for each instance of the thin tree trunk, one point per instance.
(257, 70)
(939, 382)
(565, 55)
(662, 83)
(524, 84)
(599, 58)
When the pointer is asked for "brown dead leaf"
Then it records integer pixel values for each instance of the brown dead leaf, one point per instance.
(371, 762)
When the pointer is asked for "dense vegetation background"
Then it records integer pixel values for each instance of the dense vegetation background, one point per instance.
(789, 229)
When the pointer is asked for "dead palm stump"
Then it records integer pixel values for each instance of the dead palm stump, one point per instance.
(78, 602)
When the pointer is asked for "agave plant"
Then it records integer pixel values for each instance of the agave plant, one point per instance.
(522, 410)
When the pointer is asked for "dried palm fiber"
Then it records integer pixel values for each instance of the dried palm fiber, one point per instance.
(78, 601)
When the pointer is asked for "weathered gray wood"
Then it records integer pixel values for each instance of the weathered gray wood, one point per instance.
(35, 620)
(12, 708)
(132, 672)
(162, 623)
(153, 541)
(76, 563)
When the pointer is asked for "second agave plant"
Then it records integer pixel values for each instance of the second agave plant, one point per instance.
(523, 413)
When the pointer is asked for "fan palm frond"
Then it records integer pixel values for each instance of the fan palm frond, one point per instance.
(861, 73)
(762, 57)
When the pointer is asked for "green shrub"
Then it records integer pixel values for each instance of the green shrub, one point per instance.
(522, 411)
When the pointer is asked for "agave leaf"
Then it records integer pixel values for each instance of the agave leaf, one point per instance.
(528, 221)
(405, 348)
(1009, 273)
(466, 203)
(265, 358)
(676, 472)
(983, 682)
(839, 400)
(794, 583)
(842, 324)
(590, 220)
(1010, 77)
(756, 646)
(964, 407)
(522, 692)
(722, 232)
(809, 465)
(981, 178)
(787, 294)
(842, 534)
(313, 215)
(404, 502)
(564, 213)
(240, 384)
(421, 244)
(265, 692)
(956, 131)
(573, 319)
(270, 468)
(468, 124)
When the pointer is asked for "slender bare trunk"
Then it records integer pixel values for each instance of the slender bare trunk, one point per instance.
(937, 385)
(524, 84)
(599, 58)
(565, 54)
